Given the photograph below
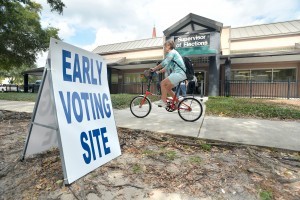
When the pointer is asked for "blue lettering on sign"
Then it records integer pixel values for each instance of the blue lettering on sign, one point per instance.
(105, 140)
(84, 106)
(85, 98)
(77, 71)
(87, 144)
(66, 107)
(107, 107)
(86, 147)
(94, 80)
(99, 67)
(79, 105)
(84, 70)
(98, 105)
(77, 111)
(66, 65)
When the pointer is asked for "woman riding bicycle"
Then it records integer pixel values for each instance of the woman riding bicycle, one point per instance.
(176, 73)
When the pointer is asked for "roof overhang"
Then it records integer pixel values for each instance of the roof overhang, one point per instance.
(115, 61)
(192, 18)
(140, 61)
(35, 72)
(139, 66)
(283, 56)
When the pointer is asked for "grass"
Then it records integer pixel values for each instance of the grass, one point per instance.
(119, 101)
(206, 147)
(18, 96)
(170, 155)
(149, 152)
(195, 159)
(137, 169)
(253, 108)
(265, 195)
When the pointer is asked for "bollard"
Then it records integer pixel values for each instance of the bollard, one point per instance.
(289, 89)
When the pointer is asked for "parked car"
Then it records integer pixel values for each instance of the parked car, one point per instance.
(34, 87)
(9, 88)
(2, 88)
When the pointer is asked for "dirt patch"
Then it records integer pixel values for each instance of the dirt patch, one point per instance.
(289, 102)
(152, 166)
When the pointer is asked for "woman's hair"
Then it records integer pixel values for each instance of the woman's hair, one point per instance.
(170, 43)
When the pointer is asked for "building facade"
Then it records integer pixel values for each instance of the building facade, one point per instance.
(259, 60)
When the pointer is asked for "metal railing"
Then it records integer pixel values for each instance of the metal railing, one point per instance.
(10, 88)
(133, 88)
(140, 88)
(253, 89)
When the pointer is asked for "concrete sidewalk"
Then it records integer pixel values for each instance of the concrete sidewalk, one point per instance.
(278, 134)
(17, 106)
(159, 120)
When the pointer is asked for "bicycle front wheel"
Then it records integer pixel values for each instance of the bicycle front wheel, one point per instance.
(190, 109)
(140, 106)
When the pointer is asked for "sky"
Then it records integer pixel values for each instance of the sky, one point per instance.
(90, 23)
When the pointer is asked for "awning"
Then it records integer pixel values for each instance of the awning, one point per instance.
(35, 72)
(114, 61)
(135, 62)
(282, 56)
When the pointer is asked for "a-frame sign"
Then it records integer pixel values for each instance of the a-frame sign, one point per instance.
(73, 112)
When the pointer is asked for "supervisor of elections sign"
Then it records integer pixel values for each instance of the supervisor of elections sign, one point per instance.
(193, 44)
(85, 127)
(192, 40)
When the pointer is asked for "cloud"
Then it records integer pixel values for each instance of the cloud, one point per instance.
(107, 36)
(41, 59)
(119, 20)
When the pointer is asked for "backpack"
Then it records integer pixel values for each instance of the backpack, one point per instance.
(189, 68)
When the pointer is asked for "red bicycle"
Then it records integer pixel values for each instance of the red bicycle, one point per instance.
(189, 108)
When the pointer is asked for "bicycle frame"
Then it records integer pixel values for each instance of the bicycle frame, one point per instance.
(172, 101)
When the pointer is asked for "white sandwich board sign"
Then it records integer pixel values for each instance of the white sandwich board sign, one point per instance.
(74, 112)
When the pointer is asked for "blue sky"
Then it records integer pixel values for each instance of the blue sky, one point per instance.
(90, 23)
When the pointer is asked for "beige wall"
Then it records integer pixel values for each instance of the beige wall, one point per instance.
(261, 44)
(265, 65)
(137, 54)
(225, 40)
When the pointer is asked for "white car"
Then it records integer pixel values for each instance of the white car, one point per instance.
(8, 88)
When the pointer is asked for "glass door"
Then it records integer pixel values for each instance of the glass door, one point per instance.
(200, 75)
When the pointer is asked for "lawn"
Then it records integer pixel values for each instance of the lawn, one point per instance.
(252, 108)
(119, 101)
(18, 96)
(220, 106)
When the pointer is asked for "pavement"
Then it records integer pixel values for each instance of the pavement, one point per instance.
(278, 134)
(17, 106)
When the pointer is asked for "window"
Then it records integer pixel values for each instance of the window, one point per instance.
(284, 75)
(264, 75)
(132, 78)
(261, 75)
(114, 78)
(240, 75)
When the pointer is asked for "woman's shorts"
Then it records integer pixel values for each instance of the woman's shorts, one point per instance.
(176, 78)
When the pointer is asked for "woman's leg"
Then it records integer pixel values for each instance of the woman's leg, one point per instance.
(166, 88)
(177, 89)
(183, 90)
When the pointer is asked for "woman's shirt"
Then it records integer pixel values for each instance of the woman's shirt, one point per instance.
(168, 63)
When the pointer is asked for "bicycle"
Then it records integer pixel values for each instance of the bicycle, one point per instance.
(189, 108)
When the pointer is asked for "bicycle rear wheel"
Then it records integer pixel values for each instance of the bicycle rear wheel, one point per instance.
(140, 106)
(190, 109)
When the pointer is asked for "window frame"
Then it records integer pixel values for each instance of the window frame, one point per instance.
(272, 69)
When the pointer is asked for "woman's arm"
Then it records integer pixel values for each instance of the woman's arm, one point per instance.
(163, 70)
(156, 68)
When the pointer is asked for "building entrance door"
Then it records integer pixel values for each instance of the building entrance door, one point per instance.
(200, 85)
